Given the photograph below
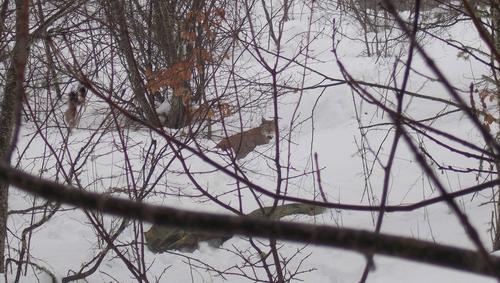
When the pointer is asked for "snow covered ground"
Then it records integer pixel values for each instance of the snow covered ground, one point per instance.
(67, 240)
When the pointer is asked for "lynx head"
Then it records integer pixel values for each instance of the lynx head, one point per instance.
(73, 97)
(267, 128)
(77, 96)
(82, 91)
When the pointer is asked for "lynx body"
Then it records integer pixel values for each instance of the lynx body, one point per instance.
(75, 99)
(245, 142)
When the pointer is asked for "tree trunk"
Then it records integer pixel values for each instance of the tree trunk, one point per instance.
(116, 13)
(495, 24)
(10, 109)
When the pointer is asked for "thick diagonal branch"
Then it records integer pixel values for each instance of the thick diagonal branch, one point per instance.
(357, 240)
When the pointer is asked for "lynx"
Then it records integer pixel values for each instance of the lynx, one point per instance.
(75, 99)
(243, 143)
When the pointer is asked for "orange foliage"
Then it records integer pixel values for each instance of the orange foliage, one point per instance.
(174, 76)
(225, 110)
(177, 75)
(189, 36)
(220, 12)
(484, 96)
(204, 112)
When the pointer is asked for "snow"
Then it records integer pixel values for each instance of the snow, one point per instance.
(164, 107)
(67, 240)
